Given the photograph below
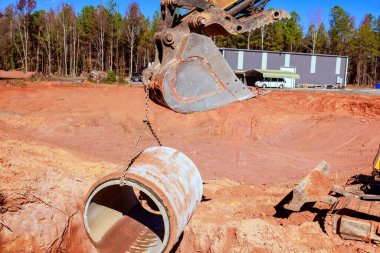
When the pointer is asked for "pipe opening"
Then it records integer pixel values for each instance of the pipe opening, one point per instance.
(126, 219)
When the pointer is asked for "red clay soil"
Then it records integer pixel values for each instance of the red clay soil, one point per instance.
(56, 140)
(15, 75)
(274, 138)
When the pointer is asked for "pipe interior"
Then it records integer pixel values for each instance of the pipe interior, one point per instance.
(126, 219)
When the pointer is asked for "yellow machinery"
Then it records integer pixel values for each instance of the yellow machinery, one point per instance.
(376, 164)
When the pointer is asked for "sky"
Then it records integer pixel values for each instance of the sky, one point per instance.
(307, 9)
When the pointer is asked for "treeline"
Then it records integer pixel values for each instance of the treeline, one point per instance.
(65, 42)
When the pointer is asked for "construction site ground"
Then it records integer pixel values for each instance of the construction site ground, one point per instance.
(57, 139)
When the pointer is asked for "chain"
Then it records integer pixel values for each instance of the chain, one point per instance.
(133, 155)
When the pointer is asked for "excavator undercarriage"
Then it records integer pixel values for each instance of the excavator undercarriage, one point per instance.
(354, 211)
(189, 73)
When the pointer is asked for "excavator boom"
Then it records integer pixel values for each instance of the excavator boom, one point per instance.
(189, 73)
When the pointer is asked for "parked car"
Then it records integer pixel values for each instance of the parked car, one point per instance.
(309, 85)
(331, 86)
(136, 77)
(271, 83)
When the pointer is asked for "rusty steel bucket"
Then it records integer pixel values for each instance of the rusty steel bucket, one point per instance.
(148, 214)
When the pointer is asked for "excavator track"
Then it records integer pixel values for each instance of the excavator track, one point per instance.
(354, 212)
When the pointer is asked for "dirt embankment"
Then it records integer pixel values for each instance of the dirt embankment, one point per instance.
(55, 141)
(277, 137)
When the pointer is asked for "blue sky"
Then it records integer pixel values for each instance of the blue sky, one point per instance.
(306, 8)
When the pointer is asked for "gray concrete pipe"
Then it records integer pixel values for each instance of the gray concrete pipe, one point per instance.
(163, 188)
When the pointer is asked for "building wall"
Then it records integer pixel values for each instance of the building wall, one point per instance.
(275, 61)
(252, 59)
(313, 69)
(232, 58)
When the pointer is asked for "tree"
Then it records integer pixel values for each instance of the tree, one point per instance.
(376, 28)
(262, 33)
(311, 38)
(144, 43)
(113, 15)
(49, 21)
(274, 39)
(365, 46)
(322, 44)
(67, 22)
(101, 27)
(87, 34)
(37, 26)
(119, 32)
(24, 9)
(341, 31)
(8, 52)
(133, 18)
(145, 47)
(293, 32)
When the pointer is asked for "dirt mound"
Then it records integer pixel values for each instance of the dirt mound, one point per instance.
(15, 75)
(42, 189)
(356, 105)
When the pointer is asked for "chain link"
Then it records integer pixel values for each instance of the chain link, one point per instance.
(133, 154)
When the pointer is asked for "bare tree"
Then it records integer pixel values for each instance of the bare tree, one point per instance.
(25, 8)
(313, 33)
(312, 38)
(49, 23)
(133, 19)
(249, 40)
(101, 28)
(112, 11)
(119, 31)
(262, 37)
(63, 18)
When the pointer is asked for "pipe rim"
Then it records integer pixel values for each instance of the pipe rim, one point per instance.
(137, 185)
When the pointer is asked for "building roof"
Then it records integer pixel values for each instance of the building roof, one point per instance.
(269, 73)
(280, 52)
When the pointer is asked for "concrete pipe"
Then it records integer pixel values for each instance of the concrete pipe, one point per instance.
(148, 214)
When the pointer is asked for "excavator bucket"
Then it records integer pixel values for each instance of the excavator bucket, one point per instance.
(199, 79)
(189, 73)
